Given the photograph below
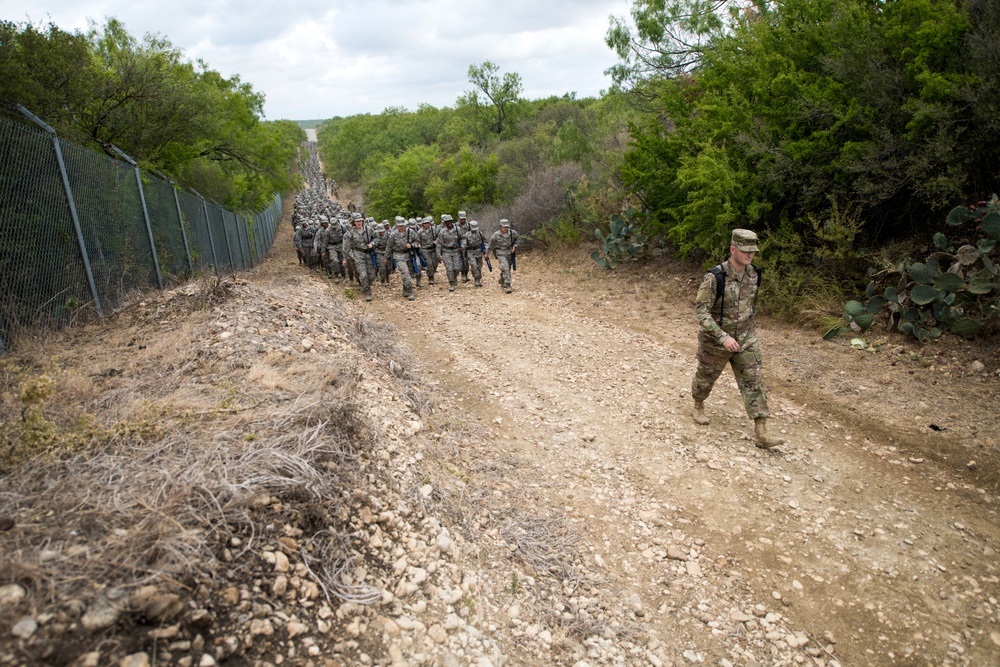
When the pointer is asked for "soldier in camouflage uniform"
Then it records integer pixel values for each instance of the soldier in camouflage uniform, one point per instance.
(473, 245)
(503, 244)
(399, 248)
(335, 248)
(357, 247)
(427, 237)
(319, 243)
(381, 242)
(413, 239)
(727, 335)
(298, 241)
(449, 246)
(463, 229)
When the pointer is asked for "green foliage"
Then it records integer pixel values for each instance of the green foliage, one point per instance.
(789, 115)
(107, 88)
(624, 241)
(346, 143)
(955, 289)
(494, 99)
(397, 185)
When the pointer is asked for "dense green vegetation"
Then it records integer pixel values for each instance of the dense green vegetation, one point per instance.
(833, 127)
(842, 130)
(107, 88)
(550, 164)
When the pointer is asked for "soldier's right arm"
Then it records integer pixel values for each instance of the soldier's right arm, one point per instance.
(704, 311)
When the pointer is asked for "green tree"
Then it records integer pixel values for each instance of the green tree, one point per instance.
(494, 97)
(107, 88)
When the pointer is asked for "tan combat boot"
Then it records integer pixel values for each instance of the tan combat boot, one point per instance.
(760, 436)
(699, 413)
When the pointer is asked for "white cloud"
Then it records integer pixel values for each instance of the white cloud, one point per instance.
(317, 59)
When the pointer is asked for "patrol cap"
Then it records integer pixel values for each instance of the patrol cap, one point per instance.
(744, 239)
(400, 222)
(505, 223)
(356, 216)
(446, 218)
(426, 221)
(461, 215)
(473, 224)
(399, 219)
(324, 221)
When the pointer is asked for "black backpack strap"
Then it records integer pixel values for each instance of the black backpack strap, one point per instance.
(720, 287)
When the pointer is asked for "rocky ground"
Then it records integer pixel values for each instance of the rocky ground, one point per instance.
(288, 475)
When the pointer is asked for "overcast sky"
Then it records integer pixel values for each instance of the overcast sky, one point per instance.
(324, 58)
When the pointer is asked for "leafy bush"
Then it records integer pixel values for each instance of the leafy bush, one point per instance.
(954, 289)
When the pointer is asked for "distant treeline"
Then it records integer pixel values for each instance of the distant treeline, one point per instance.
(833, 127)
(105, 88)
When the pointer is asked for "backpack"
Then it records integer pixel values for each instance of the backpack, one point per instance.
(720, 286)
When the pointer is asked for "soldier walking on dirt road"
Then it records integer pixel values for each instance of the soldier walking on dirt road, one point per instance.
(726, 310)
(503, 245)
(357, 247)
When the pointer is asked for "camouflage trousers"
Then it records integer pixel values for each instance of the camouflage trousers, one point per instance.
(405, 267)
(475, 264)
(430, 256)
(362, 269)
(503, 263)
(747, 367)
(464, 266)
(384, 266)
(335, 254)
(452, 265)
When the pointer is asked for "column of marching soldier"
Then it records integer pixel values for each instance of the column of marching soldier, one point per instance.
(348, 246)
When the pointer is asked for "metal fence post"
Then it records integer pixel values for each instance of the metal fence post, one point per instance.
(244, 241)
(72, 206)
(208, 227)
(180, 220)
(225, 235)
(145, 212)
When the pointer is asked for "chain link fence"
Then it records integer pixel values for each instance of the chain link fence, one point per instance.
(83, 232)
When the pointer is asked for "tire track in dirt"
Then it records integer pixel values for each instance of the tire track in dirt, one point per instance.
(837, 545)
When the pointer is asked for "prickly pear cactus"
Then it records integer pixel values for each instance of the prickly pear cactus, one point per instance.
(955, 289)
(624, 241)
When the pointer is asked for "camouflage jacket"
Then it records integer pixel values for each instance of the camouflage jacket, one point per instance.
(473, 243)
(737, 307)
(428, 239)
(355, 241)
(381, 242)
(398, 240)
(500, 243)
(449, 240)
(335, 233)
(303, 238)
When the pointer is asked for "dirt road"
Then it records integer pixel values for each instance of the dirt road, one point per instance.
(870, 538)
(508, 479)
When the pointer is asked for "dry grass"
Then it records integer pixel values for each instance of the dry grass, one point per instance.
(166, 509)
(147, 473)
